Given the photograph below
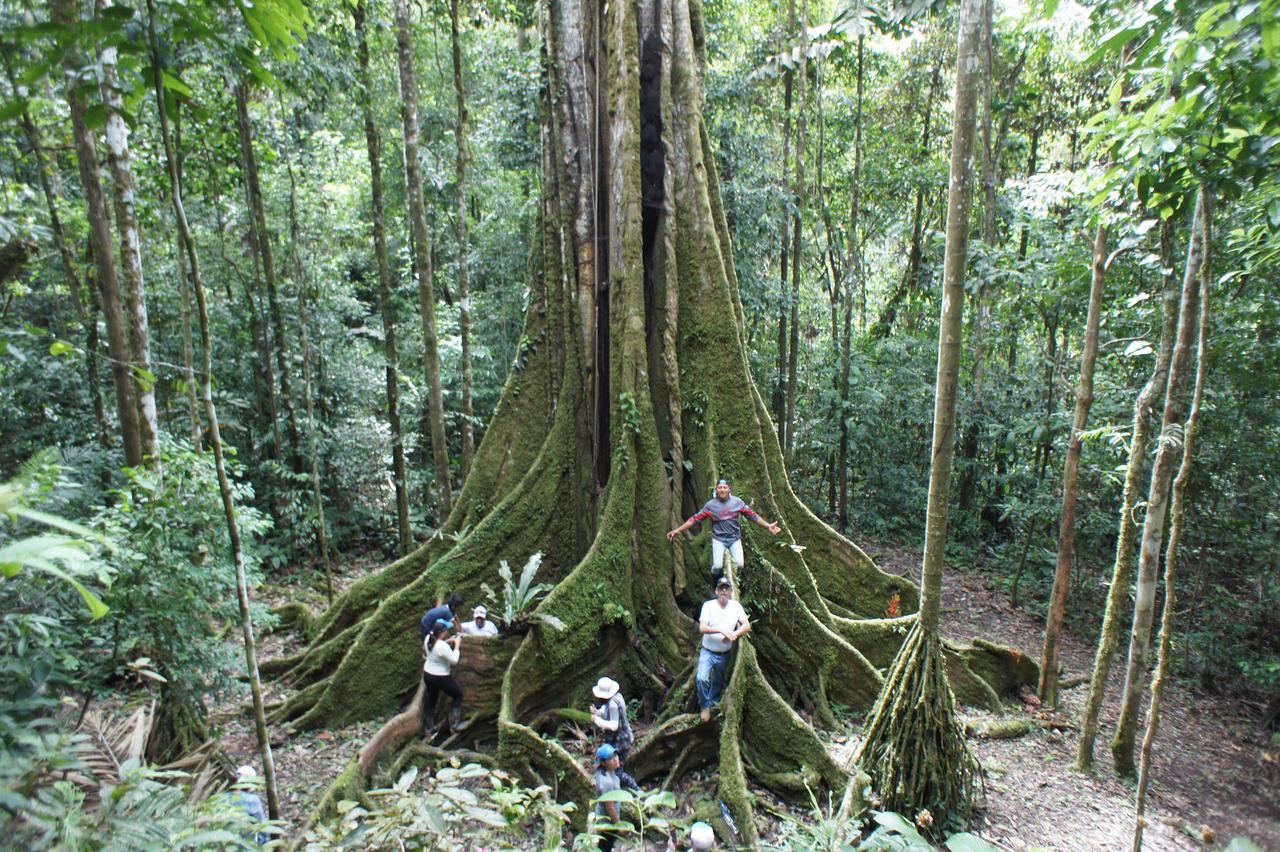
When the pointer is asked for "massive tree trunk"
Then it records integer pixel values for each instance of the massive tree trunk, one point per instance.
(374, 144)
(1175, 403)
(422, 253)
(64, 14)
(672, 322)
(1071, 478)
(124, 194)
(784, 246)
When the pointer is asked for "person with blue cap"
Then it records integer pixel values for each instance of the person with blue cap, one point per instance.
(442, 654)
(607, 781)
(726, 535)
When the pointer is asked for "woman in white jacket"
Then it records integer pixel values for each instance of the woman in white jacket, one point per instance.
(442, 653)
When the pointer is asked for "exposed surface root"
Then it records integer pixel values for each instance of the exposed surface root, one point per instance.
(914, 749)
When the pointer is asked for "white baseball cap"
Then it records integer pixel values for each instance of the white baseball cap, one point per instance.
(244, 772)
(478, 611)
(702, 836)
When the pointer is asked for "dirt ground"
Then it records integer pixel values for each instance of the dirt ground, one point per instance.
(1209, 776)
(1212, 780)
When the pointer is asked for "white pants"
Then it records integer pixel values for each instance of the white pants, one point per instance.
(717, 554)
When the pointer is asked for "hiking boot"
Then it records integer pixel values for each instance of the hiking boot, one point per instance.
(456, 724)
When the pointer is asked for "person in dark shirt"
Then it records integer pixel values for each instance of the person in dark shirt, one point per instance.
(726, 535)
(448, 611)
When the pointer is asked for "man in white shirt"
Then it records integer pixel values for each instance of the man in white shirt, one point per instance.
(722, 622)
(480, 625)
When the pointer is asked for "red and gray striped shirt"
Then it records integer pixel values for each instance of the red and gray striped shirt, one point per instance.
(724, 517)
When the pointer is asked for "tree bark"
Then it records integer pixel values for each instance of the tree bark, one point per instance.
(51, 187)
(797, 223)
(422, 249)
(308, 394)
(911, 277)
(374, 145)
(123, 194)
(100, 240)
(784, 248)
(464, 298)
(262, 241)
(1048, 688)
(184, 283)
(854, 271)
(1122, 744)
(1122, 570)
(215, 435)
(1176, 512)
(914, 749)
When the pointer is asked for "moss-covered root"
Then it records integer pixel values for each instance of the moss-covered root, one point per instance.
(295, 617)
(349, 786)
(733, 773)
(915, 751)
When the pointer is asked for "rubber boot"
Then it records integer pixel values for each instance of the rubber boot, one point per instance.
(456, 724)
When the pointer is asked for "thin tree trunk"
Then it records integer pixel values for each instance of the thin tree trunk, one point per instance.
(1176, 512)
(261, 342)
(188, 349)
(422, 249)
(1122, 745)
(1071, 477)
(100, 241)
(257, 210)
(51, 187)
(855, 271)
(313, 430)
(914, 749)
(1122, 570)
(215, 435)
(374, 145)
(797, 222)
(464, 299)
(910, 279)
(123, 194)
(780, 387)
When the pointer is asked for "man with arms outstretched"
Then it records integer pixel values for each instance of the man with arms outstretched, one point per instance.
(726, 535)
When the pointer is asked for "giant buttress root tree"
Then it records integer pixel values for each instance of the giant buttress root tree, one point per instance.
(630, 394)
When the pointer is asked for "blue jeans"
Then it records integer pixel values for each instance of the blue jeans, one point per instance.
(711, 668)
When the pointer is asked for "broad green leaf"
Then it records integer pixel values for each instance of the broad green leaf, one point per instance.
(966, 842)
(61, 347)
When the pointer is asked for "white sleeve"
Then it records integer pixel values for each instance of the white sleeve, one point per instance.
(702, 616)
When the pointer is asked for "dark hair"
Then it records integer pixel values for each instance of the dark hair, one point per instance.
(439, 627)
(455, 601)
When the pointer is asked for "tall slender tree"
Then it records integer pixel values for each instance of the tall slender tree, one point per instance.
(853, 272)
(1048, 688)
(1122, 569)
(64, 14)
(797, 225)
(124, 195)
(211, 415)
(1153, 522)
(914, 749)
(464, 293)
(1177, 508)
(422, 252)
(262, 242)
(374, 146)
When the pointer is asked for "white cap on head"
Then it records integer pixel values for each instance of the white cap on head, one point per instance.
(702, 836)
(244, 772)
(479, 612)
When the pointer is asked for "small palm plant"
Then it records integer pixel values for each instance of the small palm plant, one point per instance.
(519, 599)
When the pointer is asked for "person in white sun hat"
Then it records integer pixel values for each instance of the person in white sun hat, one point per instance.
(701, 837)
(480, 625)
(609, 714)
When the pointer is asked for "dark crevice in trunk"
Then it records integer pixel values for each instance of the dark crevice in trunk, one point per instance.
(653, 167)
(601, 221)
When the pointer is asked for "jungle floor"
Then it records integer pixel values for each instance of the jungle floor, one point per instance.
(1215, 774)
